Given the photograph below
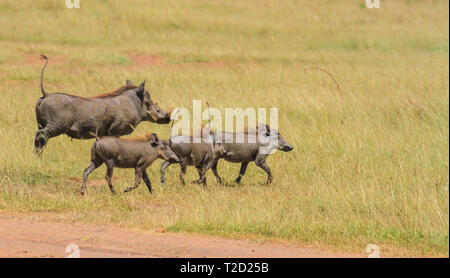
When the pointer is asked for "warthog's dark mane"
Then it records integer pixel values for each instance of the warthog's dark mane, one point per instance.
(116, 92)
(251, 130)
(146, 138)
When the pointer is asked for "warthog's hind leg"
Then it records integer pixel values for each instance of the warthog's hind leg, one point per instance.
(109, 173)
(216, 174)
(40, 141)
(43, 135)
(202, 176)
(94, 165)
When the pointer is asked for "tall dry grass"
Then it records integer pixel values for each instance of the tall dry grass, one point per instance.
(370, 163)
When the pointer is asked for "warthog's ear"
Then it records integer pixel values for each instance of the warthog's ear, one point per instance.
(129, 82)
(155, 140)
(141, 87)
(263, 128)
(140, 91)
(165, 142)
(267, 130)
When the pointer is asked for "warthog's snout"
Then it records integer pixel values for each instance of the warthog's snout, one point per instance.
(156, 114)
(283, 144)
(164, 120)
(169, 155)
(174, 159)
(160, 116)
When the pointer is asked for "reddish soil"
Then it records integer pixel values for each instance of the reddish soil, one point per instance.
(30, 238)
(90, 182)
(34, 59)
(140, 60)
(212, 64)
(146, 60)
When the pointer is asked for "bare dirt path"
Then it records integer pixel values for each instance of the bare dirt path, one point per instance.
(29, 238)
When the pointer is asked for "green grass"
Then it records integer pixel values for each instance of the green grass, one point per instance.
(370, 167)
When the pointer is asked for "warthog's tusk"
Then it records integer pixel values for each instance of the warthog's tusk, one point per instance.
(151, 115)
(162, 155)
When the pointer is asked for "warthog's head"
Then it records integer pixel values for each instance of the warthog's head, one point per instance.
(212, 137)
(150, 110)
(274, 138)
(219, 149)
(155, 113)
(163, 149)
(283, 144)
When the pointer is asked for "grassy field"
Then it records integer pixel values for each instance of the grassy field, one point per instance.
(369, 166)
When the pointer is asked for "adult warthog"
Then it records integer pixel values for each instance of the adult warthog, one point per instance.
(112, 114)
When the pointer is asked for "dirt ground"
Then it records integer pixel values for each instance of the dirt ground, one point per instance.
(30, 238)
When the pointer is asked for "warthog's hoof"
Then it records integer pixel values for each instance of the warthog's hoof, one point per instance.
(237, 181)
(38, 151)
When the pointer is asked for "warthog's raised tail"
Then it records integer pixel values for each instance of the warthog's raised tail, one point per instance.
(44, 94)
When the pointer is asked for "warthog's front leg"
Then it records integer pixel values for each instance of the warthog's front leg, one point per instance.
(202, 177)
(241, 172)
(147, 181)
(183, 165)
(164, 166)
(120, 128)
(261, 163)
(137, 180)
